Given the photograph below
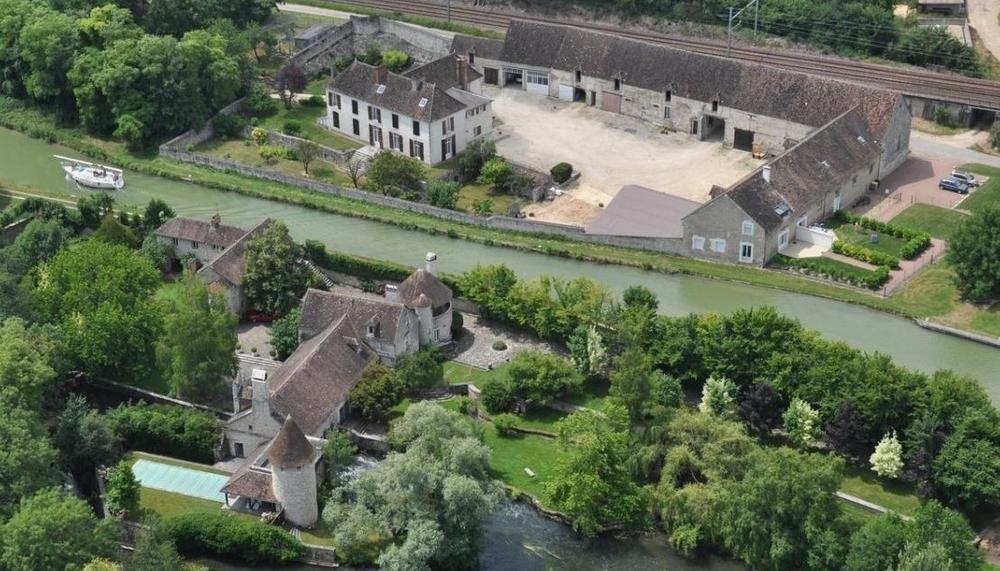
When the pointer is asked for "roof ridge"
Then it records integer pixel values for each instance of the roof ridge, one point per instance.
(322, 336)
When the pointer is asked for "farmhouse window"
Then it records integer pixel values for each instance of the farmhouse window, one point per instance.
(618, 84)
(357, 127)
(194, 245)
(746, 252)
(579, 76)
(472, 58)
(666, 112)
(336, 120)
(477, 131)
(747, 228)
(667, 95)
(416, 128)
(354, 106)
(417, 149)
(698, 242)
(395, 121)
(715, 106)
(396, 141)
(718, 245)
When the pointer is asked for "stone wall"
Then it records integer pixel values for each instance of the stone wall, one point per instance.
(280, 139)
(195, 137)
(10, 232)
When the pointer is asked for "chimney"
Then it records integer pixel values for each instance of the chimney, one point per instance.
(766, 172)
(392, 293)
(430, 263)
(380, 75)
(462, 72)
(216, 220)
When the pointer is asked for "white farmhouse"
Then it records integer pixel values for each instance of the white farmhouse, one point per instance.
(429, 113)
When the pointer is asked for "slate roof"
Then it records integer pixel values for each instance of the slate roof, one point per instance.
(290, 448)
(321, 308)
(643, 212)
(201, 231)
(443, 72)
(316, 379)
(482, 47)
(251, 483)
(401, 94)
(813, 167)
(750, 87)
(232, 261)
(422, 282)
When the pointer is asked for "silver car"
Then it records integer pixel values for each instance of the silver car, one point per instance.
(966, 177)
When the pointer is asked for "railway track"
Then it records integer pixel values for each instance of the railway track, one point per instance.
(952, 88)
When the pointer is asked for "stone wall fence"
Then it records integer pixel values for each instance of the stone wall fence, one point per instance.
(280, 139)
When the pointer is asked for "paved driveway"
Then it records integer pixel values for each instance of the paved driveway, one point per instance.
(914, 181)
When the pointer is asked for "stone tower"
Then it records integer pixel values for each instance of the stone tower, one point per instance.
(293, 474)
(422, 307)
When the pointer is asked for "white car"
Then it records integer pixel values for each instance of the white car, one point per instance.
(967, 178)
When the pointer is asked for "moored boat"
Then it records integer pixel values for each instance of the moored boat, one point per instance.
(92, 175)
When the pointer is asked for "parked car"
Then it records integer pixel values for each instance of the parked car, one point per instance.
(953, 185)
(260, 317)
(966, 177)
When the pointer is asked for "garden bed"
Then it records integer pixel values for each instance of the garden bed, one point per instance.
(833, 270)
(247, 153)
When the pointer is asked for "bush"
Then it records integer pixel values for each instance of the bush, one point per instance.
(443, 194)
(561, 172)
(258, 136)
(916, 243)
(314, 101)
(271, 153)
(942, 116)
(457, 322)
(857, 252)
(258, 102)
(821, 267)
(169, 430)
(229, 537)
(497, 397)
(504, 423)
(292, 128)
(395, 60)
(465, 404)
(229, 126)
(499, 345)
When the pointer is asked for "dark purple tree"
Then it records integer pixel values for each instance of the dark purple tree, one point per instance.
(760, 409)
(290, 81)
(847, 433)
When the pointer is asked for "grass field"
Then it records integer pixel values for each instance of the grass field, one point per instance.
(247, 153)
(934, 220)
(988, 194)
(512, 454)
(932, 293)
(306, 116)
(886, 244)
(471, 193)
(896, 496)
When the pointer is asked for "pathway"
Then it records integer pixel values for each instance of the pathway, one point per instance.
(916, 180)
(848, 260)
(926, 145)
(984, 15)
(314, 11)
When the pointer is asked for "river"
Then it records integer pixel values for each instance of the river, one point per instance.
(28, 162)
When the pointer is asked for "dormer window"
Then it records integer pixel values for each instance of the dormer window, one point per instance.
(667, 96)
(380, 89)
(472, 58)
(371, 330)
(579, 76)
(423, 102)
(618, 84)
(715, 105)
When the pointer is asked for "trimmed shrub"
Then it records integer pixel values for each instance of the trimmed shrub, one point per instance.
(561, 172)
(395, 60)
(499, 345)
(313, 101)
(916, 243)
(169, 430)
(225, 536)
(292, 128)
(821, 267)
(865, 254)
(497, 397)
(457, 322)
(504, 423)
(229, 126)
(271, 153)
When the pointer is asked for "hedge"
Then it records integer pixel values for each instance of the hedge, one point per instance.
(168, 430)
(561, 172)
(857, 252)
(916, 242)
(226, 536)
(830, 269)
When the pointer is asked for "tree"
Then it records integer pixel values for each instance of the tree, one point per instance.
(760, 409)
(26, 377)
(631, 381)
(718, 397)
(930, 557)
(443, 194)
(338, 455)
(102, 564)
(100, 295)
(29, 462)
(497, 173)
(155, 550)
(974, 245)
(393, 174)
(290, 81)
(887, 460)
(47, 46)
(476, 154)
(421, 370)
(107, 24)
(951, 397)
(14, 300)
(847, 433)
(498, 397)
(967, 469)
(197, 351)
(591, 483)
(924, 438)
(934, 523)
(541, 377)
(285, 334)
(482, 207)
(161, 254)
(308, 152)
(85, 437)
(377, 392)
(275, 278)
(876, 545)
(52, 516)
(155, 214)
(356, 168)
(666, 390)
(801, 422)
(640, 296)
(587, 351)
(122, 490)
(111, 231)
(39, 241)
(739, 346)
(94, 208)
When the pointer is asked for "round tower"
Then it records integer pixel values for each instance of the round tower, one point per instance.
(425, 316)
(293, 474)
(430, 299)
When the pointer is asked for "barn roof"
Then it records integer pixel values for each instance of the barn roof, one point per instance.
(231, 263)
(444, 72)
(203, 231)
(321, 308)
(482, 47)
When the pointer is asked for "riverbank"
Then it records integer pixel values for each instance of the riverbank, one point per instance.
(38, 124)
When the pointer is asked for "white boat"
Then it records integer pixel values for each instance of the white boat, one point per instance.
(92, 175)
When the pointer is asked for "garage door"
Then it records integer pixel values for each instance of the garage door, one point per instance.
(611, 102)
(566, 92)
(536, 82)
(743, 140)
(492, 76)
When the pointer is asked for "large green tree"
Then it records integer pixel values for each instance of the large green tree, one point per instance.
(26, 376)
(973, 254)
(632, 381)
(967, 469)
(378, 390)
(541, 377)
(100, 295)
(85, 437)
(275, 278)
(197, 351)
(53, 530)
(28, 462)
(39, 241)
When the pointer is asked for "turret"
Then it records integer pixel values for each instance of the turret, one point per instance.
(293, 474)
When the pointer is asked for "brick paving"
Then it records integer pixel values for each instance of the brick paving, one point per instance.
(475, 347)
(916, 180)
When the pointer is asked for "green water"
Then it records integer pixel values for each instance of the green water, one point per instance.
(28, 162)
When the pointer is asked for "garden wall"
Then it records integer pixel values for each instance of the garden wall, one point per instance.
(287, 141)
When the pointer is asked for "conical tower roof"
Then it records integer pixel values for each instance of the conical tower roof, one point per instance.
(422, 282)
(290, 448)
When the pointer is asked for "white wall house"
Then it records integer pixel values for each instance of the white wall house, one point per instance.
(431, 114)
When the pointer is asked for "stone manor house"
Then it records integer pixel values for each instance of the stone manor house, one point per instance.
(280, 420)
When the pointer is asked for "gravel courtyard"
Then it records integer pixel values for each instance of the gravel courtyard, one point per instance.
(609, 150)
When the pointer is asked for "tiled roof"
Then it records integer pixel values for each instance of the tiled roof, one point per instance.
(400, 94)
(290, 448)
(750, 87)
(422, 282)
(321, 308)
(201, 231)
(444, 72)
(232, 261)
(316, 379)
(482, 47)
(639, 211)
(251, 483)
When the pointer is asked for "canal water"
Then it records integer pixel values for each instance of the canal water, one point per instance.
(28, 162)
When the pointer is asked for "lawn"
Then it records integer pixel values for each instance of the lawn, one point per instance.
(985, 195)
(932, 293)
(246, 153)
(934, 220)
(512, 454)
(457, 373)
(471, 193)
(896, 496)
(317, 85)
(306, 117)
(593, 395)
(321, 534)
(862, 237)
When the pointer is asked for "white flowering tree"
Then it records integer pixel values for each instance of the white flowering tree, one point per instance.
(887, 460)
(801, 422)
(718, 397)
